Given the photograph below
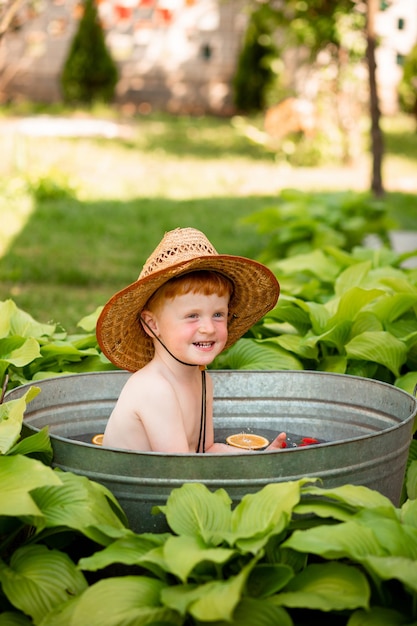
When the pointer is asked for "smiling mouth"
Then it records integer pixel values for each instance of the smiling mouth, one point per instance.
(204, 344)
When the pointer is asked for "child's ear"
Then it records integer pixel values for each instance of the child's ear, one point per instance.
(148, 322)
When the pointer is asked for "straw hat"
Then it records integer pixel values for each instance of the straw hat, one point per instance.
(183, 250)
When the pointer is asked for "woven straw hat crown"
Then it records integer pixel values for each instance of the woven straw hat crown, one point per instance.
(183, 250)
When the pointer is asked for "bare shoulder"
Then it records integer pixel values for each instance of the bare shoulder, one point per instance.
(147, 391)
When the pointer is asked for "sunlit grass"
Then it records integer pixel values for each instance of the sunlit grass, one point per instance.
(80, 215)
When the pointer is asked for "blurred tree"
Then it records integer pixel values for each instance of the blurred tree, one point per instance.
(407, 90)
(254, 73)
(89, 73)
(377, 141)
(8, 11)
(343, 29)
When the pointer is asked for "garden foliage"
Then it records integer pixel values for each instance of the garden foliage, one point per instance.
(407, 88)
(293, 553)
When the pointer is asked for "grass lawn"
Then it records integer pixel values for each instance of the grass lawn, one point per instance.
(80, 215)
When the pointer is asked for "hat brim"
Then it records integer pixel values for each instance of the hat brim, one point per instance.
(120, 333)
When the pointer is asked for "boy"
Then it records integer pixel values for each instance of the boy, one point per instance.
(188, 304)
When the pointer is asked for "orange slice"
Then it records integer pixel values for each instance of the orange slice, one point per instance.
(247, 441)
(98, 439)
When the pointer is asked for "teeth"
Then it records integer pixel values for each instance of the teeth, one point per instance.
(204, 345)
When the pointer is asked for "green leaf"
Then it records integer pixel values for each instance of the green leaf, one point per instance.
(315, 263)
(347, 539)
(289, 311)
(37, 446)
(397, 538)
(319, 316)
(39, 579)
(392, 306)
(195, 511)
(409, 513)
(254, 612)
(392, 567)
(366, 321)
(357, 496)
(183, 554)
(60, 615)
(407, 382)
(14, 619)
(336, 336)
(19, 351)
(379, 347)
(378, 616)
(11, 418)
(261, 514)
(128, 550)
(252, 354)
(411, 480)
(326, 587)
(268, 578)
(352, 276)
(127, 600)
(298, 345)
(353, 302)
(23, 324)
(215, 600)
(88, 323)
(336, 364)
(80, 504)
(19, 475)
(7, 309)
(324, 509)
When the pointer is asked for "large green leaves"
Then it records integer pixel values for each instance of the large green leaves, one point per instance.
(380, 347)
(195, 511)
(250, 354)
(19, 476)
(214, 600)
(11, 417)
(327, 587)
(379, 616)
(38, 579)
(346, 312)
(266, 513)
(31, 350)
(124, 601)
(183, 554)
(81, 504)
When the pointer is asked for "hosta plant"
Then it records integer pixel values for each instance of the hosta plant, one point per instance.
(350, 313)
(48, 519)
(292, 554)
(297, 222)
(30, 350)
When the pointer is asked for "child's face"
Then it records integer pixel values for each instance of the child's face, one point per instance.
(193, 326)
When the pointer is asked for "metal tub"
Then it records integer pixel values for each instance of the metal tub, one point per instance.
(366, 426)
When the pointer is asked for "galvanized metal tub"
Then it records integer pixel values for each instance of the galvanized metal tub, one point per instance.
(367, 428)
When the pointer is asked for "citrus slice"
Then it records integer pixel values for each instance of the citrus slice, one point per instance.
(247, 441)
(98, 439)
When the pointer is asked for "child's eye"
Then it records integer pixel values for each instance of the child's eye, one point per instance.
(220, 314)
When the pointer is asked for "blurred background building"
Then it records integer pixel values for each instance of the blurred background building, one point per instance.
(174, 55)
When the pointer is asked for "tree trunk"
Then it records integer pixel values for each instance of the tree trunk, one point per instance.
(377, 141)
(9, 10)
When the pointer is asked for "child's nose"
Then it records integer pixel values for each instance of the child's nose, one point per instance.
(207, 325)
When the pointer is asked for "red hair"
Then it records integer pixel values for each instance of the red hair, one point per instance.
(204, 282)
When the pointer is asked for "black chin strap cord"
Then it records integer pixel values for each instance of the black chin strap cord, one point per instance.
(202, 434)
